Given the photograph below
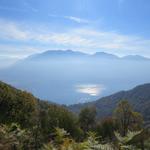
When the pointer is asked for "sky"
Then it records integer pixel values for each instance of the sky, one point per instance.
(119, 27)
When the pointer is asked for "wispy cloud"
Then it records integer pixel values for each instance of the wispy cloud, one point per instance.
(71, 18)
(18, 51)
(11, 31)
(29, 6)
(76, 19)
(89, 40)
(9, 54)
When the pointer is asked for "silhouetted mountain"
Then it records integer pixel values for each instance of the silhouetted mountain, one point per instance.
(136, 57)
(53, 54)
(139, 97)
(104, 55)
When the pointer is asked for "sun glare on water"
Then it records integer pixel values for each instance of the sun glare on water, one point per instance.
(90, 89)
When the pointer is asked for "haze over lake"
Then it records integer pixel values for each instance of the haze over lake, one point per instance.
(68, 77)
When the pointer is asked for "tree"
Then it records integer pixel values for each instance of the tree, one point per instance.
(126, 118)
(52, 116)
(137, 121)
(16, 106)
(105, 128)
(87, 118)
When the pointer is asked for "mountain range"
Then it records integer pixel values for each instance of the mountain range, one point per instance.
(50, 54)
(69, 77)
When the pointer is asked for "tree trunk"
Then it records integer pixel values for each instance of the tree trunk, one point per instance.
(142, 145)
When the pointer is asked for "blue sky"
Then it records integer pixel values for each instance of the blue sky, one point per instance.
(116, 26)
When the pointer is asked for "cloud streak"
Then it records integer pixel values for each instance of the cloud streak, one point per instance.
(89, 40)
(72, 18)
(76, 19)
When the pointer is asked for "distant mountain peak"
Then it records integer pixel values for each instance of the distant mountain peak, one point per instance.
(105, 55)
(135, 57)
(57, 53)
(50, 54)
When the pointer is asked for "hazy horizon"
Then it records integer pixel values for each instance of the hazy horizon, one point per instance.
(68, 77)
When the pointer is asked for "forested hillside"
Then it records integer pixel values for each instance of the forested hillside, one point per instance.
(29, 112)
(139, 98)
(27, 123)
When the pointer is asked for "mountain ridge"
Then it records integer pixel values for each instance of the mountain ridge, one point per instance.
(139, 97)
(71, 53)
(56, 53)
(57, 78)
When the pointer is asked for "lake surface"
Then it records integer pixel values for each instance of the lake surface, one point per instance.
(72, 82)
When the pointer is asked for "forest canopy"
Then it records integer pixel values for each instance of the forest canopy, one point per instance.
(29, 123)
